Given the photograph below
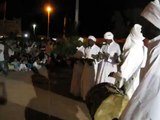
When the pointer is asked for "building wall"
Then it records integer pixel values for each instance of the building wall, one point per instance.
(10, 26)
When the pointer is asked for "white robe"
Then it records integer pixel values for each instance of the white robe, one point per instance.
(105, 67)
(145, 102)
(133, 58)
(89, 72)
(77, 72)
(131, 66)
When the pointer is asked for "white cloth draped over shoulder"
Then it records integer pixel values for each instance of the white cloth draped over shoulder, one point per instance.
(145, 102)
(133, 58)
(77, 72)
(89, 71)
(106, 66)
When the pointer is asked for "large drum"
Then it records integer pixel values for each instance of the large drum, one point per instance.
(105, 101)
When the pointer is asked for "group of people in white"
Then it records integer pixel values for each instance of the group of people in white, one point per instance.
(142, 86)
(99, 62)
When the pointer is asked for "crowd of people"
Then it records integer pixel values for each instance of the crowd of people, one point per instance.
(22, 57)
(108, 63)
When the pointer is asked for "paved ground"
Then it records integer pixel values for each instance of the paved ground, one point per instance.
(44, 96)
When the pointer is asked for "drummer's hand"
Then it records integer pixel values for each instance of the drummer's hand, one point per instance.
(119, 82)
(111, 74)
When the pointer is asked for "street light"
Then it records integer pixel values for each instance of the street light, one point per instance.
(34, 27)
(48, 9)
(26, 35)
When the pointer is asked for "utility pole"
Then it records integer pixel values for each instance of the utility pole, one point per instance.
(76, 16)
(77, 12)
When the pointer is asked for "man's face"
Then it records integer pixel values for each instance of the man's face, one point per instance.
(148, 29)
(109, 41)
(90, 42)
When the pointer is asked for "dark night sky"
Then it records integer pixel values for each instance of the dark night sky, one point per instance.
(95, 15)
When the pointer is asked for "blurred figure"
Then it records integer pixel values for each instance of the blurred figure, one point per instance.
(144, 104)
(133, 59)
(48, 50)
(77, 68)
(5, 53)
(88, 78)
(109, 58)
(37, 64)
(16, 64)
(22, 66)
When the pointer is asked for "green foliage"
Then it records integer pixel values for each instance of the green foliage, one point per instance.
(66, 47)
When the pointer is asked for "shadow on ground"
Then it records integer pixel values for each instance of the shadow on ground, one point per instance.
(60, 75)
(58, 81)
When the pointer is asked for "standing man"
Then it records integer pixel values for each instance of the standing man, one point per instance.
(145, 102)
(90, 67)
(134, 57)
(77, 68)
(110, 53)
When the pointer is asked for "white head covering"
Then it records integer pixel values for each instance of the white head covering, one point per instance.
(54, 39)
(152, 13)
(91, 37)
(81, 39)
(108, 35)
(134, 38)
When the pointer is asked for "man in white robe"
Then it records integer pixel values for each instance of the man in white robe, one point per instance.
(134, 57)
(145, 102)
(111, 52)
(77, 69)
(88, 78)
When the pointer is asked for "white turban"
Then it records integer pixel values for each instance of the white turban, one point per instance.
(91, 37)
(152, 13)
(134, 38)
(54, 39)
(108, 35)
(81, 39)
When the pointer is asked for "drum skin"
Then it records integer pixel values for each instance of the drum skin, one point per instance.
(111, 107)
(105, 101)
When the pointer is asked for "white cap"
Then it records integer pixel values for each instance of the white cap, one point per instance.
(54, 39)
(81, 39)
(108, 35)
(152, 13)
(91, 37)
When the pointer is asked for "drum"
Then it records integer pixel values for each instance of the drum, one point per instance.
(105, 101)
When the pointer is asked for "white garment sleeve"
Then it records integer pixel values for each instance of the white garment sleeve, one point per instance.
(131, 63)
